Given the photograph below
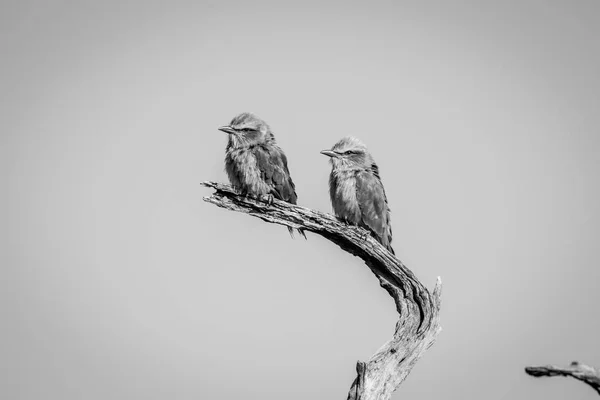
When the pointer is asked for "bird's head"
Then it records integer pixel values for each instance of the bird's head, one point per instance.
(350, 154)
(246, 130)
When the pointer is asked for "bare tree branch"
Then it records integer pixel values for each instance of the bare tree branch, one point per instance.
(576, 370)
(419, 308)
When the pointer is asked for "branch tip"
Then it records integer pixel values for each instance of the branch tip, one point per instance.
(575, 370)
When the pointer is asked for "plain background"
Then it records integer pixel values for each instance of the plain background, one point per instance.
(119, 282)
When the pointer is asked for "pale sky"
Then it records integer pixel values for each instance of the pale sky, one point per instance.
(119, 282)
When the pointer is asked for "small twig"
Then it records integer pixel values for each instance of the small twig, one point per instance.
(419, 308)
(576, 370)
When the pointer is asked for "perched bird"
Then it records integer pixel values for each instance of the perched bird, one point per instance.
(255, 164)
(356, 191)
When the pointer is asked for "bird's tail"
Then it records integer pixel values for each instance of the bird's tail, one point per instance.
(386, 241)
(389, 247)
(300, 231)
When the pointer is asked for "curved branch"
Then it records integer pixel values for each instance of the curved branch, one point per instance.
(576, 370)
(419, 308)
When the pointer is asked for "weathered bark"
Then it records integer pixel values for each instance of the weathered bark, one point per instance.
(576, 370)
(419, 308)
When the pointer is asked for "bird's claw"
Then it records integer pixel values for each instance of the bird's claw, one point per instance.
(267, 198)
(364, 235)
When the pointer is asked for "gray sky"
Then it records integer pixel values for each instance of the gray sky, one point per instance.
(119, 282)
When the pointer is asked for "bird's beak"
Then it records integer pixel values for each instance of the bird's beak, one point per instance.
(227, 129)
(329, 153)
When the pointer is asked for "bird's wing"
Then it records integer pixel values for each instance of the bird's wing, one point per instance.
(373, 205)
(272, 163)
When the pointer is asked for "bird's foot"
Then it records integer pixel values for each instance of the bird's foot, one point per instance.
(364, 234)
(252, 196)
(267, 198)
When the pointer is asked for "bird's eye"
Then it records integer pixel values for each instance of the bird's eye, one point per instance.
(349, 152)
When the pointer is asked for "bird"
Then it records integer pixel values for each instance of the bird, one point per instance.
(254, 162)
(356, 192)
